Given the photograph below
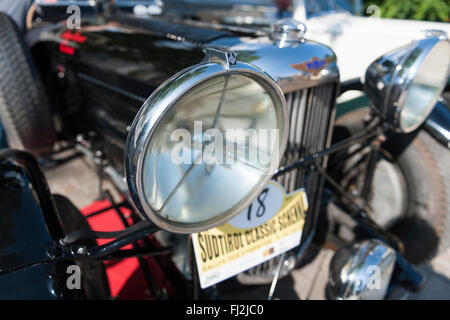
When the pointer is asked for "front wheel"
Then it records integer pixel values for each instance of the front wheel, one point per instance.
(410, 192)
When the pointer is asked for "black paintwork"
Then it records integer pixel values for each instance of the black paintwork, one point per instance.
(28, 228)
(24, 237)
(119, 63)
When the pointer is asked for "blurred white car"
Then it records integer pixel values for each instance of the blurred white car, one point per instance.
(357, 40)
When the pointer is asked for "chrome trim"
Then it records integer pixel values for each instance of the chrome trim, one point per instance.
(388, 81)
(226, 58)
(438, 123)
(154, 109)
(223, 27)
(356, 270)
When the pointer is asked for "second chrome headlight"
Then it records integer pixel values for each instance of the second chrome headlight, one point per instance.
(405, 83)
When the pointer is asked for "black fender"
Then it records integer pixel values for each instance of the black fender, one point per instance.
(29, 227)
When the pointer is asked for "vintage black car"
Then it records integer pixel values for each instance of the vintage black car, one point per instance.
(117, 86)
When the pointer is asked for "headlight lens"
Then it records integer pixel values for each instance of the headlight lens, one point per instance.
(204, 145)
(426, 87)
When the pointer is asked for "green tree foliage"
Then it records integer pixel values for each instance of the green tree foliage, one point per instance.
(432, 10)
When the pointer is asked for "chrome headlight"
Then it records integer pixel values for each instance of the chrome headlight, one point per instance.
(405, 83)
(185, 172)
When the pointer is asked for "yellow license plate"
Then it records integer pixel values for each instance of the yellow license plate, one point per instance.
(271, 225)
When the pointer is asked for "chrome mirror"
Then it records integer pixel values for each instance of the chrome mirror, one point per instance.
(405, 83)
(205, 143)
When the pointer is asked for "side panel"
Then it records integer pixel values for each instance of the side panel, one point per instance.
(118, 64)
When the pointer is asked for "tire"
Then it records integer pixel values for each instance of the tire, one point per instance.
(423, 225)
(24, 109)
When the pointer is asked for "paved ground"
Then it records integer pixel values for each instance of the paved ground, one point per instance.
(77, 181)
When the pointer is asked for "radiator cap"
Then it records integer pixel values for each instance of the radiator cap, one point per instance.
(288, 30)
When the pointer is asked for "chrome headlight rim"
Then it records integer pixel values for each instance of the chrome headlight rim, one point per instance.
(389, 71)
(152, 113)
(406, 82)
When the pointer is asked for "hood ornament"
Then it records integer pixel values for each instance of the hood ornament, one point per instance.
(288, 30)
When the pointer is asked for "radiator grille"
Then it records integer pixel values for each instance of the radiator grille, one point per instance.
(311, 115)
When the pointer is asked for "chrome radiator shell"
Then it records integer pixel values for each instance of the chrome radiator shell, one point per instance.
(293, 65)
